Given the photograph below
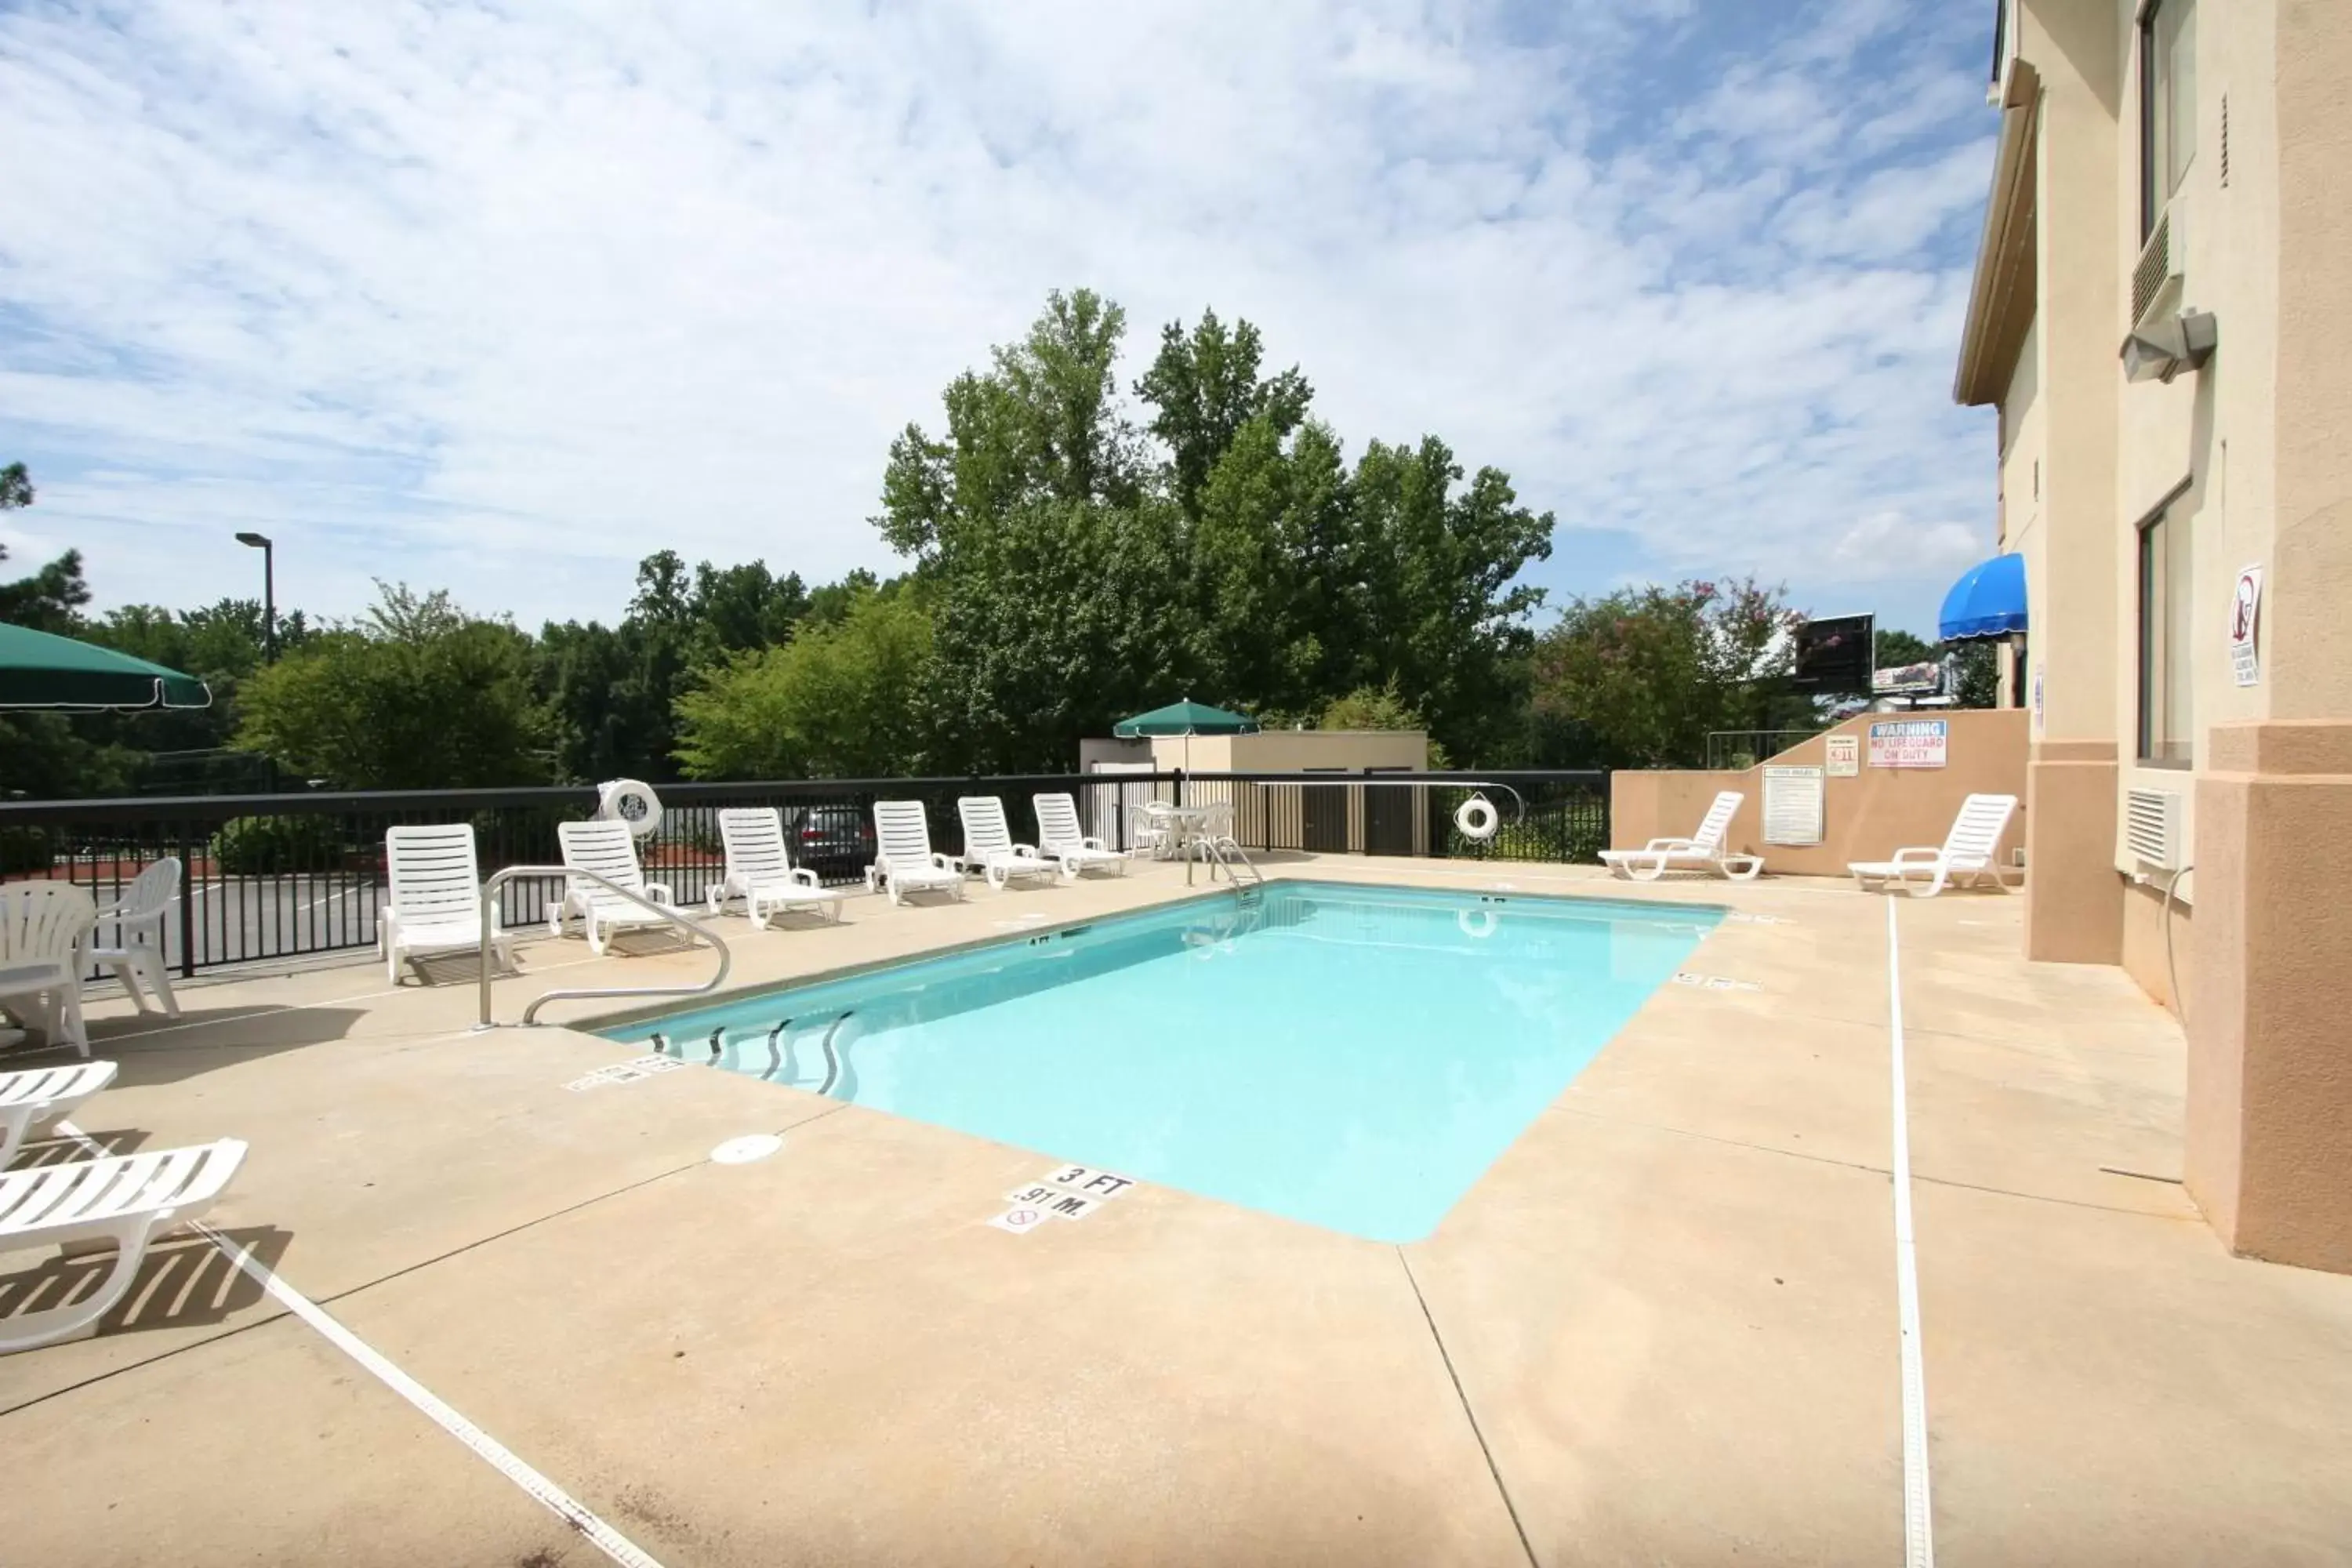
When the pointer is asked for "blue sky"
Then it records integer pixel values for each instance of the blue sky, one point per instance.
(500, 300)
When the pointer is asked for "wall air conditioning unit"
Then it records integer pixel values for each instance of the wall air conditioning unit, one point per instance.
(2165, 338)
(2152, 827)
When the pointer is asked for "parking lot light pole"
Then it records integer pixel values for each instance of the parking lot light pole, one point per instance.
(269, 591)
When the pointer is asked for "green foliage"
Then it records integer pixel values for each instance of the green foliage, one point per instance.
(1976, 674)
(268, 845)
(24, 849)
(417, 695)
(1892, 649)
(848, 699)
(1647, 673)
(15, 488)
(1075, 580)
(1205, 388)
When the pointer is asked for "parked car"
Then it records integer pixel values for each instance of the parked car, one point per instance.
(836, 842)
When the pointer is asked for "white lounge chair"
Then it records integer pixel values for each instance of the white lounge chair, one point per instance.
(1059, 834)
(127, 1199)
(43, 940)
(1968, 852)
(39, 1096)
(1702, 851)
(608, 848)
(760, 873)
(904, 860)
(136, 955)
(988, 846)
(436, 902)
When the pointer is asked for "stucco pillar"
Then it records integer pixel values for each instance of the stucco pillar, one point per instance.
(2074, 900)
(2269, 1140)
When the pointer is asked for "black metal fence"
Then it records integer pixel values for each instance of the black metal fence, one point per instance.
(284, 875)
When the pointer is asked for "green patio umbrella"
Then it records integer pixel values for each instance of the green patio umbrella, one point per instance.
(1186, 718)
(40, 670)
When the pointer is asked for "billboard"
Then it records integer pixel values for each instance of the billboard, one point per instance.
(1834, 657)
(1908, 680)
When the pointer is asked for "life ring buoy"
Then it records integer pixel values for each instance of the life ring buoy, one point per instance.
(1478, 930)
(1476, 818)
(631, 801)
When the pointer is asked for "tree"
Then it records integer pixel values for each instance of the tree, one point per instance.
(416, 695)
(1647, 674)
(51, 600)
(1435, 569)
(613, 692)
(1892, 649)
(1205, 387)
(848, 699)
(1975, 674)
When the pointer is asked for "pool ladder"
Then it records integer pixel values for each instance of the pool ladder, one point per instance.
(1224, 851)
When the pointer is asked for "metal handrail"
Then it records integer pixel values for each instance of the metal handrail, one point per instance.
(675, 917)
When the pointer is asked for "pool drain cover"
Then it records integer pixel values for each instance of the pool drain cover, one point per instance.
(744, 1150)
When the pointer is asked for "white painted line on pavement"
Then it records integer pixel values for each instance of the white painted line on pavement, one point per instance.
(1918, 1531)
(590, 1528)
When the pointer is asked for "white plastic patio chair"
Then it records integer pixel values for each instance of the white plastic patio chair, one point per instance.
(904, 861)
(608, 848)
(136, 955)
(44, 939)
(435, 904)
(127, 1199)
(1059, 834)
(1702, 851)
(1967, 853)
(988, 846)
(39, 1096)
(760, 869)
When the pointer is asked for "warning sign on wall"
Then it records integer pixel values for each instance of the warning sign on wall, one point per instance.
(1909, 742)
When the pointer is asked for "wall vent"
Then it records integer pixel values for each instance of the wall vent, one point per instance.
(2154, 270)
(2152, 827)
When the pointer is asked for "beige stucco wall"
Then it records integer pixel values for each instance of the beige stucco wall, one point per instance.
(2251, 449)
(1295, 750)
(1865, 818)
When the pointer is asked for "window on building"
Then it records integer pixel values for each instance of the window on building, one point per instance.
(2165, 579)
(2167, 103)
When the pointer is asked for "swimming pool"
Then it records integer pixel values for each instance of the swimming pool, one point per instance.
(1347, 1055)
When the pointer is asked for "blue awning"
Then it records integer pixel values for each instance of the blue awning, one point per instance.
(1988, 600)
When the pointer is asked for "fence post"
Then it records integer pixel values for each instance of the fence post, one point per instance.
(1179, 785)
(187, 906)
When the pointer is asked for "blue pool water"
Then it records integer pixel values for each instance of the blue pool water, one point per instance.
(1352, 1056)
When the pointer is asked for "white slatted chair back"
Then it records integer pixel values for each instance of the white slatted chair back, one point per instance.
(43, 922)
(1057, 822)
(985, 831)
(1718, 821)
(432, 873)
(150, 892)
(754, 838)
(607, 848)
(1975, 832)
(902, 834)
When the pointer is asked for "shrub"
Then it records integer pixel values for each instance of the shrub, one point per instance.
(266, 845)
(27, 849)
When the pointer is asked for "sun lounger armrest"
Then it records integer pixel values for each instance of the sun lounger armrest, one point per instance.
(946, 863)
(661, 893)
(1916, 852)
(1091, 842)
(1028, 849)
(1657, 845)
(805, 878)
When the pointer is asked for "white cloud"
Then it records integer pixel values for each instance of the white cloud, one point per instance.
(504, 299)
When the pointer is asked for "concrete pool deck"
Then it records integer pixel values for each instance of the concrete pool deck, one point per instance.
(1662, 1328)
